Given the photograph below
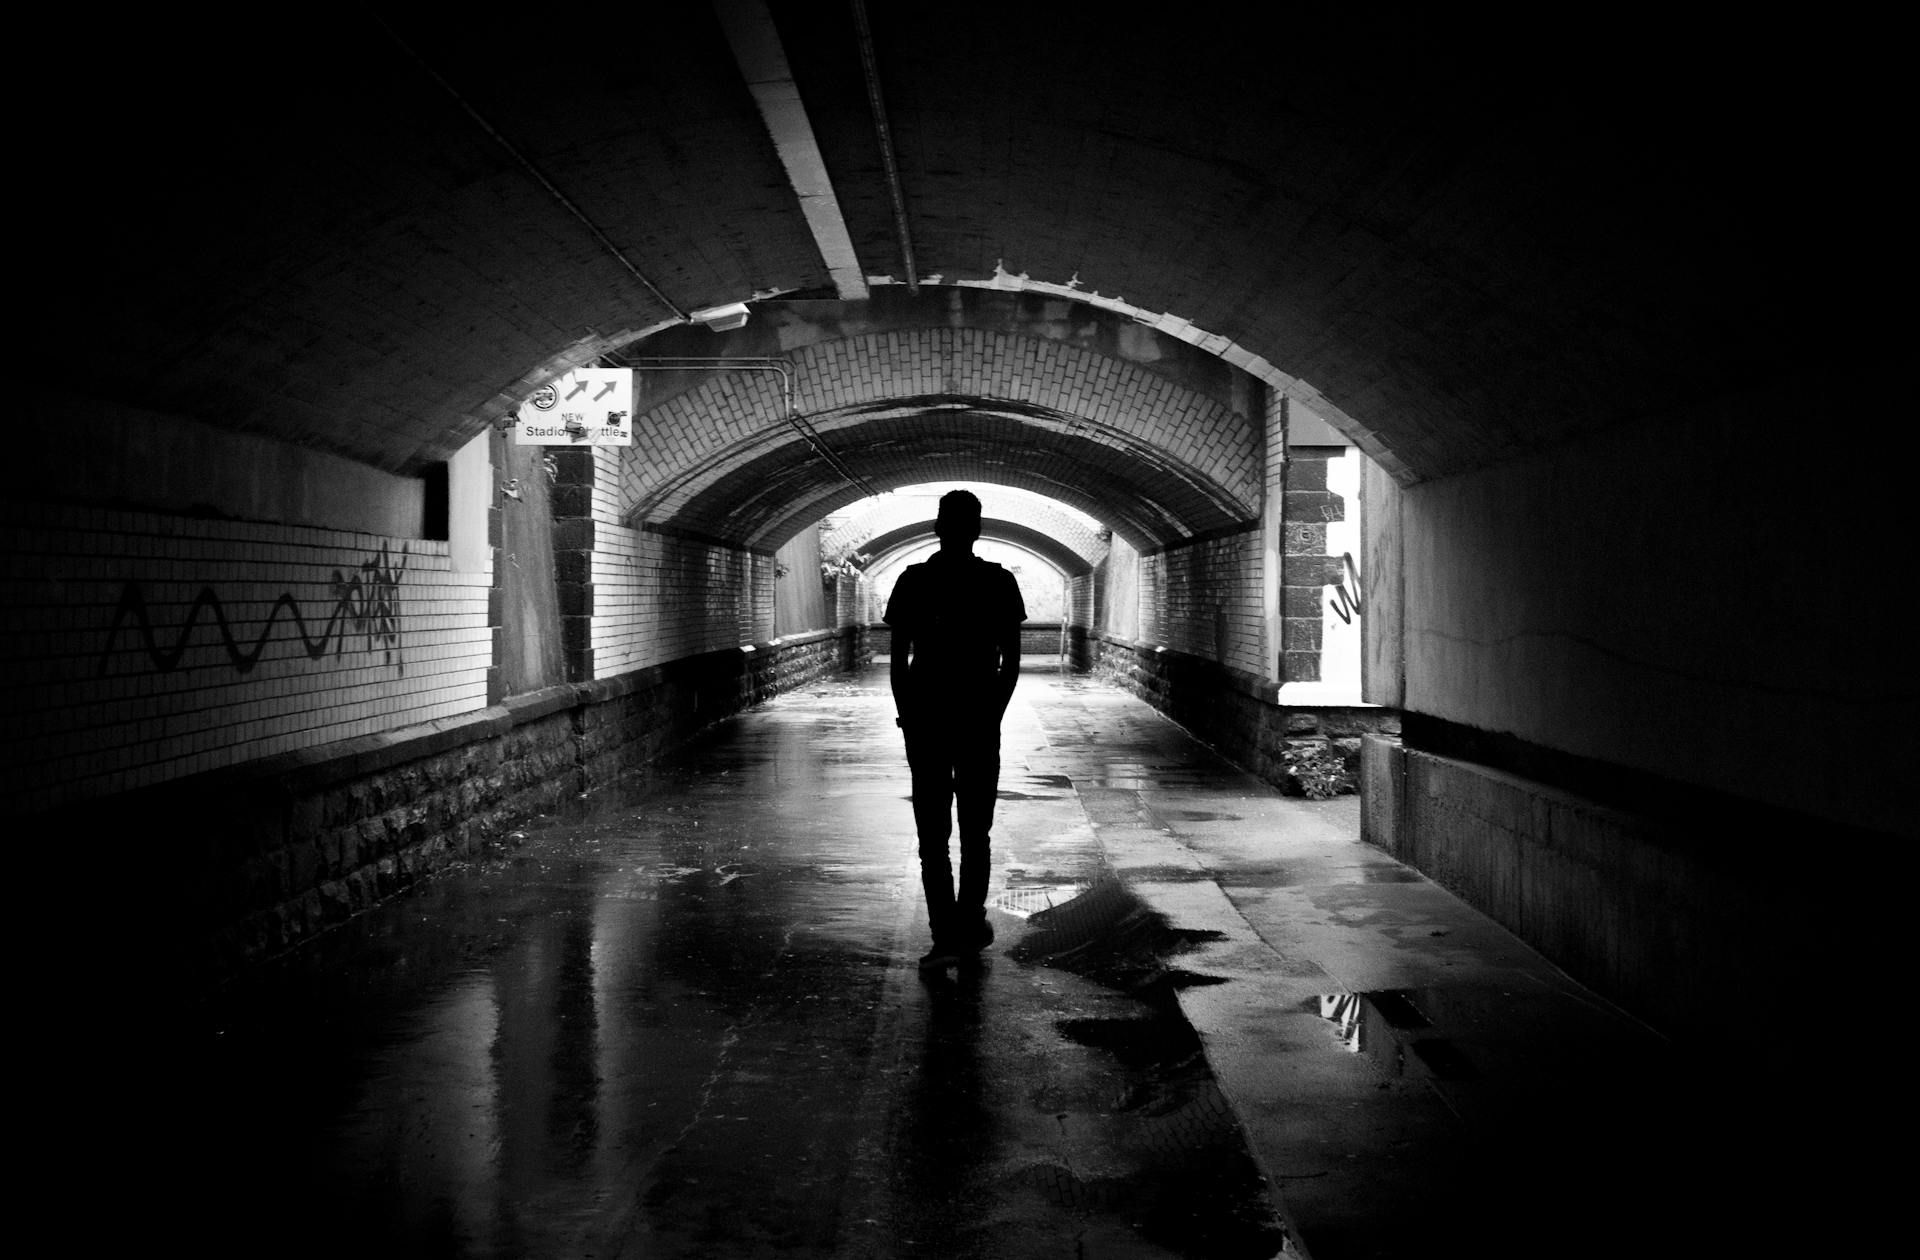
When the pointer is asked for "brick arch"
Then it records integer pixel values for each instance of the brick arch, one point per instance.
(1014, 533)
(1088, 322)
(888, 564)
(763, 501)
(1160, 462)
(889, 516)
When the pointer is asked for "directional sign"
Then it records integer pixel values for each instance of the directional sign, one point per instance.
(586, 407)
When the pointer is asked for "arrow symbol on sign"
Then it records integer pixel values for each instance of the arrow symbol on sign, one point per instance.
(579, 387)
(603, 393)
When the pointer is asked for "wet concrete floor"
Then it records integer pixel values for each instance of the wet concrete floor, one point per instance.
(686, 1022)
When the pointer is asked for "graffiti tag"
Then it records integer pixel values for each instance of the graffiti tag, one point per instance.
(1346, 600)
(367, 603)
(370, 602)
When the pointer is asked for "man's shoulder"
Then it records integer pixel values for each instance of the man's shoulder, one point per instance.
(985, 575)
(905, 597)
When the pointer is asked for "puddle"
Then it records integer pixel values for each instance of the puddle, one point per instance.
(1112, 937)
(1026, 902)
(1183, 1174)
(1391, 1029)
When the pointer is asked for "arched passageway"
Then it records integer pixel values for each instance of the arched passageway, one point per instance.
(1579, 307)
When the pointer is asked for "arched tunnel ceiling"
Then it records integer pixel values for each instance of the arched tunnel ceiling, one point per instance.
(1059, 555)
(764, 501)
(1108, 416)
(878, 524)
(1475, 237)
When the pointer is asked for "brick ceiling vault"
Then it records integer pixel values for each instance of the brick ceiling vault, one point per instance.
(855, 533)
(760, 498)
(1159, 452)
(1473, 239)
(1042, 545)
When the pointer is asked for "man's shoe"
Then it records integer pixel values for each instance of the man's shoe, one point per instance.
(941, 955)
(980, 935)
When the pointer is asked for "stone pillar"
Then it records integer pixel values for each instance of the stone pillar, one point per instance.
(496, 545)
(1309, 570)
(1272, 550)
(573, 543)
(1312, 504)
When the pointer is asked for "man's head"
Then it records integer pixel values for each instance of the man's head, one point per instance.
(959, 518)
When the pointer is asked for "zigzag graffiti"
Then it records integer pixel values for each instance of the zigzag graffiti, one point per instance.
(369, 607)
(1346, 602)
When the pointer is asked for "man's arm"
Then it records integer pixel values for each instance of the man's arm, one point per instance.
(897, 674)
(1009, 663)
(1007, 638)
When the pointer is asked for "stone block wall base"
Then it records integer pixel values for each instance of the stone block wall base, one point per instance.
(1695, 920)
(1298, 749)
(1037, 639)
(203, 877)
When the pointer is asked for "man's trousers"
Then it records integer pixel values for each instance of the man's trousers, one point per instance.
(955, 762)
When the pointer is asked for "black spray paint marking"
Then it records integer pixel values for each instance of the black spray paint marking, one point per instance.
(1346, 603)
(367, 603)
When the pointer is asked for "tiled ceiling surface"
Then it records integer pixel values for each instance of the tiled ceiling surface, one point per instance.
(1135, 429)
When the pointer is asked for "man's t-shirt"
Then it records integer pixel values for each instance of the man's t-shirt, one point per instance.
(956, 610)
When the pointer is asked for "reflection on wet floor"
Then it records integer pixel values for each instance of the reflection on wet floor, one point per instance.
(1098, 1111)
(684, 1021)
(1025, 901)
(1109, 935)
(1378, 1024)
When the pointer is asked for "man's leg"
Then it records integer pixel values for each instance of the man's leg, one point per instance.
(976, 784)
(929, 756)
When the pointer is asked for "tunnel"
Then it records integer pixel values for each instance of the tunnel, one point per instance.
(1481, 400)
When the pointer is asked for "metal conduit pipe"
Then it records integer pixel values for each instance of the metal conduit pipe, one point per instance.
(535, 173)
(884, 134)
(808, 434)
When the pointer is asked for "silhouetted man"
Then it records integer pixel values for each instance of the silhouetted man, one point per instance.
(956, 655)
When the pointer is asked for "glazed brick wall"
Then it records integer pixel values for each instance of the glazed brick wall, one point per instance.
(1118, 607)
(1204, 600)
(328, 635)
(852, 599)
(632, 598)
(852, 611)
(657, 598)
(1080, 600)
